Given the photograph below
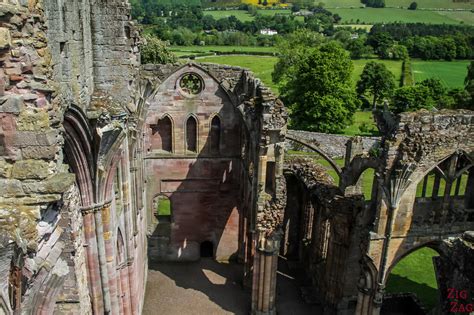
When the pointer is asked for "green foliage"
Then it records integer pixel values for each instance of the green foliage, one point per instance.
(156, 51)
(317, 89)
(381, 42)
(413, 6)
(407, 73)
(397, 52)
(412, 98)
(291, 48)
(358, 49)
(374, 3)
(377, 81)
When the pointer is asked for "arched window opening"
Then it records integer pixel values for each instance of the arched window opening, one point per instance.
(162, 206)
(191, 134)
(366, 182)
(215, 135)
(207, 249)
(414, 273)
(120, 256)
(165, 131)
(270, 178)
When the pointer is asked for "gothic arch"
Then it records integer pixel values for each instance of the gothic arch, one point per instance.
(191, 131)
(215, 133)
(319, 151)
(79, 152)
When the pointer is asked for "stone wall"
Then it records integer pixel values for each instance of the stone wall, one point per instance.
(333, 145)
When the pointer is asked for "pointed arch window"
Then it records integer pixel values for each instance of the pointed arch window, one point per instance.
(215, 135)
(165, 130)
(120, 256)
(191, 134)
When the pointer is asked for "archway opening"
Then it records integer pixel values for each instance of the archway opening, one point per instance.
(215, 135)
(207, 249)
(191, 134)
(412, 287)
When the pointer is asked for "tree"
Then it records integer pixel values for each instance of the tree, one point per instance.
(156, 51)
(357, 48)
(318, 90)
(469, 80)
(381, 42)
(412, 98)
(290, 48)
(377, 81)
(413, 6)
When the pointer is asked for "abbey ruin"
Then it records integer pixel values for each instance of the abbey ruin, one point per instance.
(93, 144)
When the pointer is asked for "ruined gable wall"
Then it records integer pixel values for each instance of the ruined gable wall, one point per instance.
(203, 186)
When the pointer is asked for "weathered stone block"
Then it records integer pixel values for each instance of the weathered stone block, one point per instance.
(11, 187)
(33, 120)
(5, 39)
(56, 184)
(30, 138)
(5, 169)
(11, 104)
(38, 152)
(30, 169)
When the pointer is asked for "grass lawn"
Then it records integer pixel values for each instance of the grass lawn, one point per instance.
(451, 73)
(239, 14)
(385, 15)
(262, 66)
(164, 207)
(415, 273)
(361, 118)
(191, 50)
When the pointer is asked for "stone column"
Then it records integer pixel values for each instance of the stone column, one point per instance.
(264, 274)
(94, 279)
(109, 246)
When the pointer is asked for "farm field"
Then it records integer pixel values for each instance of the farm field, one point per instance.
(430, 4)
(192, 50)
(451, 73)
(386, 15)
(243, 16)
(262, 66)
(415, 273)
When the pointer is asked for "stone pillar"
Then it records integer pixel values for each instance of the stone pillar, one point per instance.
(109, 246)
(265, 274)
(94, 279)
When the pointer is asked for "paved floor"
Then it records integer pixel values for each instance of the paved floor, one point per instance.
(208, 287)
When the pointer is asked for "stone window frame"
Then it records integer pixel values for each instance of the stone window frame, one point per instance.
(219, 149)
(185, 138)
(184, 93)
(172, 137)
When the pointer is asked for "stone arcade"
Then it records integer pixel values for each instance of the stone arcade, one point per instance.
(105, 164)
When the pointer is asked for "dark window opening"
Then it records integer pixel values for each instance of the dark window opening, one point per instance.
(207, 249)
(191, 134)
(215, 134)
(270, 178)
(165, 130)
(15, 287)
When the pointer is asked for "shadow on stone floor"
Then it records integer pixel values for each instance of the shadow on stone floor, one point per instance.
(208, 287)
(203, 287)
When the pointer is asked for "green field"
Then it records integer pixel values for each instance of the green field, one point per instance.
(415, 273)
(386, 15)
(244, 16)
(262, 66)
(239, 14)
(194, 50)
(451, 73)
(359, 119)
(429, 4)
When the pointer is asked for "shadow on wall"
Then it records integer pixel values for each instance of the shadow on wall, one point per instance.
(197, 168)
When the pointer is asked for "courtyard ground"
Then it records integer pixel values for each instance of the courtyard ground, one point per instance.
(211, 288)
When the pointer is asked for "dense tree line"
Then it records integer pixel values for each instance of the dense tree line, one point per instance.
(423, 41)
